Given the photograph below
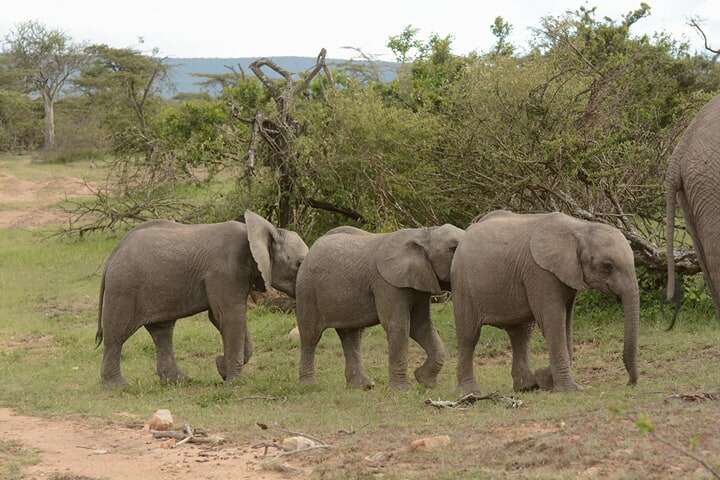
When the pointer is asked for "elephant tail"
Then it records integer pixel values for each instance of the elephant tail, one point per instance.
(99, 334)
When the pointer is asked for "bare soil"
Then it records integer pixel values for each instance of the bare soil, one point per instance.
(72, 449)
(30, 203)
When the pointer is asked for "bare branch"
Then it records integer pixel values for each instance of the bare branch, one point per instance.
(695, 23)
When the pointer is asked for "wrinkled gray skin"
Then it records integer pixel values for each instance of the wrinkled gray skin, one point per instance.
(162, 271)
(353, 279)
(693, 180)
(511, 271)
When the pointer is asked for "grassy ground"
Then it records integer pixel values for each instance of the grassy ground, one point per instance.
(49, 366)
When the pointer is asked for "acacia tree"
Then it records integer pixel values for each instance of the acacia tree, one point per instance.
(126, 82)
(45, 59)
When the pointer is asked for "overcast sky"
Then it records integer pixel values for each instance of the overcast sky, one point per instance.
(237, 28)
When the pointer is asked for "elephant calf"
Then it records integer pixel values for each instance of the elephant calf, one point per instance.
(353, 279)
(512, 271)
(162, 271)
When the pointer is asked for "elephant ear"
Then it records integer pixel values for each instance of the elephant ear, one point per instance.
(403, 261)
(261, 235)
(555, 247)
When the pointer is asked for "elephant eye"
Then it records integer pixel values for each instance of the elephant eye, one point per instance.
(452, 249)
(607, 267)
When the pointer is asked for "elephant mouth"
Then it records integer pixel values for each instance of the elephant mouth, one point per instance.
(445, 286)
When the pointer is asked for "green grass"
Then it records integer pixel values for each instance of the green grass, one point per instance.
(13, 457)
(49, 366)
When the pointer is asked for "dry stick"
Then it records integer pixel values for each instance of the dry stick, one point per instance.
(261, 397)
(293, 452)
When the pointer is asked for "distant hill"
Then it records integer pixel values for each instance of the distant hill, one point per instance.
(181, 75)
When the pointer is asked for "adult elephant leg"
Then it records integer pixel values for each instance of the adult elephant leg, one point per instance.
(523, 378)
(220, 359)
(423, 332)
(691, 221)
(354, 372)
(162, 335)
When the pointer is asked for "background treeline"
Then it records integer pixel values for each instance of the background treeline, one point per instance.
(581, 119)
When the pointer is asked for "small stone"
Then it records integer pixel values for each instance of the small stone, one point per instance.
(294, 335)
(429, 443)
(161, 420)
(291, 444)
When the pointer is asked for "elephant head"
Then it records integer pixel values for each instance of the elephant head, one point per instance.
(277, 252)
(592, 255)
(419, 258)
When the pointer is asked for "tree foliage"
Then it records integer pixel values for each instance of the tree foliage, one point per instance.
(43, 59)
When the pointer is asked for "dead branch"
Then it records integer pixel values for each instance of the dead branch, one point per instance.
(262, 397)
(303, 450)
(695, 23)
(348, 212)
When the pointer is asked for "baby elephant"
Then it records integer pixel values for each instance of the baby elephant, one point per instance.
(162, 271)
(353, 279)
(512, 271)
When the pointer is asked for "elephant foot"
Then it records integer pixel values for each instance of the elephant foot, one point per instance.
(361, 383)
(307, 380)
(544, 379)
(426, 377)
(114, 383)
(570, 386)
(468, 387)
(400, 384)
(525, 383)
(220, 364)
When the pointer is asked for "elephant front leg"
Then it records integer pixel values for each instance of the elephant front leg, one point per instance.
(230, 320)
(396, 322)
(556, 337)
(523, 378)
(354, 372)
(162, 335)
(423, 332)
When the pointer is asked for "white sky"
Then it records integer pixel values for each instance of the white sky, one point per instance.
(241, 28)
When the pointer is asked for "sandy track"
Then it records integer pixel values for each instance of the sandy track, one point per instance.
(28, 203)
(115, 452)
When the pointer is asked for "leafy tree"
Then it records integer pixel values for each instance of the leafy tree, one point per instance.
(502, 29)
(45, 60)
(126, 83)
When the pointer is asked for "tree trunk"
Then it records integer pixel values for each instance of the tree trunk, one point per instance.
(49, 104)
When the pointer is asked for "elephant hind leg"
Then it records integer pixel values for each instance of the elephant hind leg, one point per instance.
(162, 335)
(309, 339)
(354, 372)
(110, 373)
(117, 326)
(523, 378)
(423, 332)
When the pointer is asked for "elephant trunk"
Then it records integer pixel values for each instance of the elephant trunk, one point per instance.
(631, 306)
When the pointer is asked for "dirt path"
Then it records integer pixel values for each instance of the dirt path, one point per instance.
(113, 452)
(29, 203)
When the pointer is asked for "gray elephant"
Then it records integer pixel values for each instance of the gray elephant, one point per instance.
(353, 279)
(512, 271)
(693, 179)
(162, 271)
